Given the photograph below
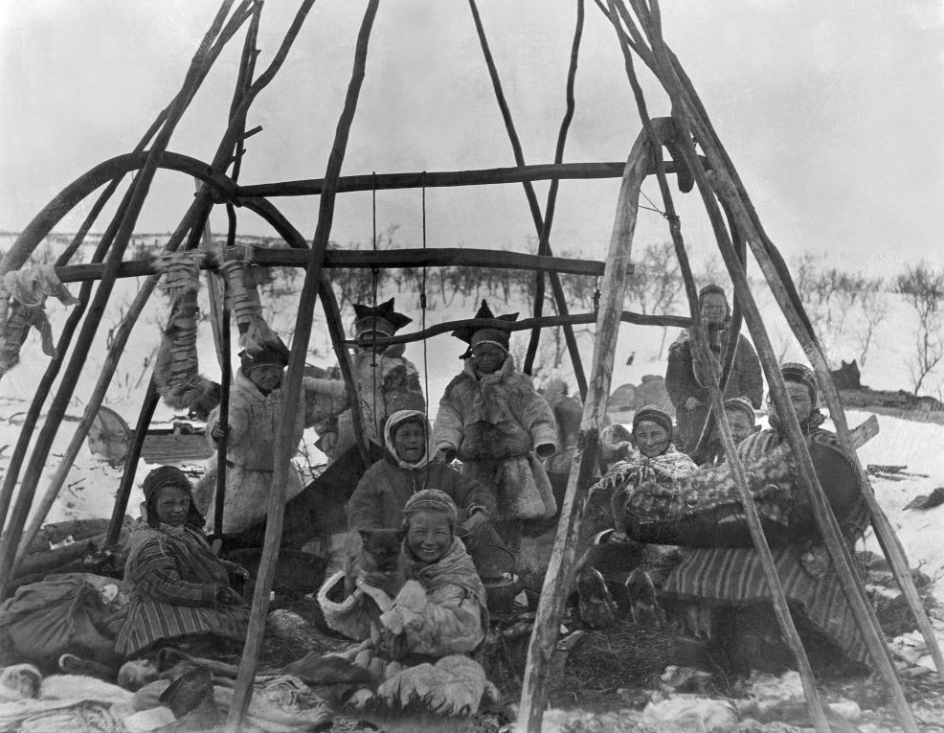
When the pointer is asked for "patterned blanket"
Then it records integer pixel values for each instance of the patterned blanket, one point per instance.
(735, 576)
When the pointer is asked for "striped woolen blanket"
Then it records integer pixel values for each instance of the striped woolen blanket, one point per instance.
(719, 576)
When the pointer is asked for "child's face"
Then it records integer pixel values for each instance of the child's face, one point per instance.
(486, 358)
(266, 376)
(172, 505)
(372, 347)
(429, 535)
(409, 441)
(740, 423)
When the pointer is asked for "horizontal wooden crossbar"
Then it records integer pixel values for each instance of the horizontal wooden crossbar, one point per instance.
(543, 322)
(357, 259)
(441, 179)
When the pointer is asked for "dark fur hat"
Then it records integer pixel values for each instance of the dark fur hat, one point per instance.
(272, 351)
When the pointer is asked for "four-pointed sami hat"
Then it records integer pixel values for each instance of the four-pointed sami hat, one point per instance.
(382, 320)
(497, 332)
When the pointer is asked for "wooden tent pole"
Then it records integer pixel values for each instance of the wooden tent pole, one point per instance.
(223, 187)
(733, 330)
(559, 577)
(549, 207)
(65, 338)
(556, 287)
(825, 519)
(885, 533)
(40, 224)
(110, 365)
(137, 195)
(284, 449)
(802, 328)
(441, 179)
(193, 218)
(715, 391)
(148, 406)
(781, 283)
(238, 126)
(332, 312)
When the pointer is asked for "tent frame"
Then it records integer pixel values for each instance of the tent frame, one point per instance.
(638, 28)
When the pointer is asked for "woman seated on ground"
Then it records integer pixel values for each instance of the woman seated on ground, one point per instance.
(385, 488)
(178, 589)
(432, 606)
(723, 591)
(656, 460)
(719, 589)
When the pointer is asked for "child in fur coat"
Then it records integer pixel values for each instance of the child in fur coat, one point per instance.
(496, 423)
(386, 381)
(256, 406)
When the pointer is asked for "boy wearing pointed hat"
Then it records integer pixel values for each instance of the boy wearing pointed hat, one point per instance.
(386, 381)
(497, 424)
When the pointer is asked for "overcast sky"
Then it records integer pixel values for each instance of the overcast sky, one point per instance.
(831, 111)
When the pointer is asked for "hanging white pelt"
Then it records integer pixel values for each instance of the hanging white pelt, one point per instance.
(176, 369)
(243, 279)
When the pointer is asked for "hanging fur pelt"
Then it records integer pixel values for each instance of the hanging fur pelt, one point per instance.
(243, 279)
(176, 372)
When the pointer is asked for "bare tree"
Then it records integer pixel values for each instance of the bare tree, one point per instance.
(923, 288)
(872, 309)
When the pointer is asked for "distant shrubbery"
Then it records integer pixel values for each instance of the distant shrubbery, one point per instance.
(844, 306)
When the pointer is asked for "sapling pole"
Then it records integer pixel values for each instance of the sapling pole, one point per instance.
(802, 328)
(702, 353)
(556, 287)
(238, 126)
(193, 218)
(732, 190)
(42, 223)
(242, 693)
(441, 179)
(545, 234)
(559, 576)
(148, 406)
(888, 539)
(72, 322)
(360, 259)
(137, 195)
(332, 312)
(226, 378)
(826, 521)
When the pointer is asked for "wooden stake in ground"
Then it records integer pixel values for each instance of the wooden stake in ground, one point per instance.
(560, 570)
(293, 380)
